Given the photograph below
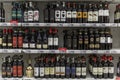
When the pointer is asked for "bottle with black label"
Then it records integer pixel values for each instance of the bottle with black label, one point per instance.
(97, 40)
(62, 67)
(1, 34)
(67, 68)
(26, 40)
(19, 13)
(74, 13)
(80, 39)
(47, 68)
(57, 13)
(102, 40)
(14, 12)
(52, 67)
(55, 39)
(63, 13)
(32, 40)
(39, 40)
(78, 68)
(41, 68)
(30, 12)
(9, 67)
(106, 13)
(36, 13)
(50, 39)
(83, 67)
(2, 13)
(68, 13)
(91, 39)
(90, 14)
(52, 13)
(57, 67)
(74, 40)
(9, 44)
(118, 68)
(25, 17)
(4, 39)
(45, 40)
(47, 13)
(4, 66)
(36, 68)
(84, 14)
(95, 13)
(79, 14)
(86, 40)
(73, 68)
(101, 13)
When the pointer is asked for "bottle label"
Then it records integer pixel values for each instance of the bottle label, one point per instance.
(108, 40)
(9, 44)
(79, 14)
(39, 46)
(78, 71)
(20, 42)
(67, 70)
(14, 16)
(36, 15)
(50, 41)
(95, 16)
(95, 70)
(52, 70)
(14, 71)
(25, 16)
(57, 15)
(25, 45)
(14, 41)
(36, 71)
(20, 71)
(74, 14)
(47, 71)
(55, 41)
(63, 15)
(73, 70)
(42, 71)
(105, 70)
(57, 70)
(84, 71)
(32, 45)
(19, 14)
(90, 16)
(4, 44)
(111, 70)
(45, 46)
(100, 71)
(69, 14)
(29, 71)
(30, 15)
(102, 40)
(0, 41)
(106, 12)
(3, 71)
(101, 13)
(85, 15)
(62, 71)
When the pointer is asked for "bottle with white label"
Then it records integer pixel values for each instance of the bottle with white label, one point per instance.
(68, 13)
(36, 14)
(90, 14)
(57, 14)
(50, 39)
(36, 68)
(102, 40)
(100, 16)
(62, 67)
(106, 13)
(105, 68)
(63, 13)
(45, 40)
(25, 40)
(47, 68)
(95, 68)
(55, 39)
(30, 12)
(41, 68)
(39, 40)
(26, 12)
(52, 67)
(74, 13)
(83, 67)
(57, 67)
(100, 70)
(95, 13)
(78, 68)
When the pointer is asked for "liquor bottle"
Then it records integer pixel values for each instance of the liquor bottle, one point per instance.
(95, 68)
(79, 14)
(26, 13)
(29, 68)
(100, 69)
(36, 68)
(19, 13)
(85, 14)
(97, 40)
(116, 14)
(106, 13)
(57, 13)
(83, 67)
(45, 41)
(25, 40)
(105, 69)
(47, 68)
(47, 14)
(15, 39)
(62, 68)
(52, 14)
(74, 40)
(3, 67)
(57, 67)
(67, 68)
(111, 67)
(32, 40)
(78, 67)
(20, 39)
(91, 39)
(108, 38)
(73, 67)
(90, 14)
(118, 68)
(14, 66)
(55, 39)
(39, 40)
(36, 14)
(50, 39)
(20, 67)
(4, 39)
(9, 67)
(2, 13)
(102, 40)
(52, 67)
(30, 12)
(74, 13)
(101, 13)
(68, 39)
(9, 40)
(41, 68)
(68, 13)
(95, 13)
(80, 39)
(14, 12)
(63, 13)
(1, 35)
(86, 40)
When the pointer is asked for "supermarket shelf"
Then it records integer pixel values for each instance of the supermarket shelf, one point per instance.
(10, 24)
(10, 50)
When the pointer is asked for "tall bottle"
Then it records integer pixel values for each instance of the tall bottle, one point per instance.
(68, 13)
(73, 67)
(100, 69)
(91, 39)
(51, 14)
(83, 67)
(39, 40)
(78, 67)
(47, 14)
(26, 40)
(74, 40)
(90, 14)
(47, 68)
(20, 39)
(19, 13)
(106, 68)
(86, 40)
(30, 12)
(80, 40)
(9, 40)
(41, 68)
(1, 34)
(102, 39)
(62, 68)
(95, 13)
(14, 12)
(14, 65)
(85, 14)
(2, 13)
(57, 67)
(55, 39)
(63, 13)
(45, 40)
(4, 39)
(68, 40)
(36, 14)
(9, 67)
(79, 14)
(67, 68)
(106, 13)
(74, 13)
(97, 40)
(26, 13)
(57, 13)
(4, 70)
(36, 68)
(95, 68)
(50, 39)
(52, 67)
(101, 13)
(118, 68)
(15, 39)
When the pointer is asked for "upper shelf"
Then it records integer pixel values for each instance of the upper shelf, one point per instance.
(61, 24)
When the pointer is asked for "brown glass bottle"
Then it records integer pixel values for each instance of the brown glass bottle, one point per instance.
(97, 40)
(86, 40)
(80, 40)
(9, 38)
(4, 39)
(91, 39)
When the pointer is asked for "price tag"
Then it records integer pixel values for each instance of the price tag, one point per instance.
(14, 23)
(25, 24)
(15, 51)
(71, 51)
(47, 24)
(4, 24)
(5, 51)
(95, 51)
(40, 51)
(83, 51)
(107, 51)
(62, 50)
(28, 51)
(60, 24)
(36, 24)
(107, 24)
(51, 51)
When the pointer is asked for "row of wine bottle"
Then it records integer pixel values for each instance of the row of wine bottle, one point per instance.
(59, 66)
